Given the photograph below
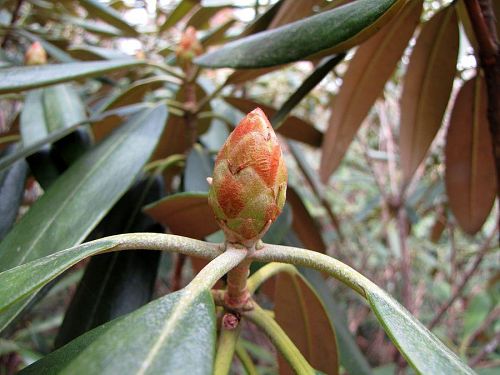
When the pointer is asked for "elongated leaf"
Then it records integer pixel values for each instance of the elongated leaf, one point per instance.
(122, 281)
(54, 51)
(293, 127)
(97, 180)
(303, 223)
(92, 53)
(131, 95)
(23, 78)
(330, 32)
(29, 277)
(427, 87)
(12, 183)
(310, 83)
(351, 357)
(97, 28)
(470, 165)
(63, 107)
(302, 315)
(90, 187)
(418, 345)
(363, 82)
(200, 19)
(165, 336)
(178, 13)
(186, 214)
(97, 9)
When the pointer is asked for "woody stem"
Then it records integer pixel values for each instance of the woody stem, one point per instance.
(237, 291)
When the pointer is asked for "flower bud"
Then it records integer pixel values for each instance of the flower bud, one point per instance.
(189, 47)
(35, 55)
(248, 187)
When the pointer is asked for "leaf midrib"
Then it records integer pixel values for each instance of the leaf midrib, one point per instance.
(79, 185)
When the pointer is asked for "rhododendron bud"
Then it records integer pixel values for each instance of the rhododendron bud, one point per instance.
(189, 47)
(35, 55)
(248, 187)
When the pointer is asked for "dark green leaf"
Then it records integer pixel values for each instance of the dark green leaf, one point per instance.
(75, 203)
(28, 77)
(329, 32)
(418, 345)
(12, 183)
(167, 335)
(96, 180)
(121, 281)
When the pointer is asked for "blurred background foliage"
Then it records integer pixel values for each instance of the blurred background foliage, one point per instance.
(370, 182)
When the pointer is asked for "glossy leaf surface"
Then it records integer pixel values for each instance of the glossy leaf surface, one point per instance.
(92, 184)
(334, 31)
(28, 77)
(166, 335)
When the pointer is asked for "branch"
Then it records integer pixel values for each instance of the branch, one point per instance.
(485, 247)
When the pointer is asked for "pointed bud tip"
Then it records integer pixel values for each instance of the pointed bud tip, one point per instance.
(248, 189)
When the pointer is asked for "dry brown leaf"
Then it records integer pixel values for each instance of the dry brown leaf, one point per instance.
(293, 127)
(185, 214)
(427, 87)
(299, 311)
(176, 138)
(470, 167)
(303, 223)
(368, 71)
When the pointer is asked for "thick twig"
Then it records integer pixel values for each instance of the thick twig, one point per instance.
(485, 247)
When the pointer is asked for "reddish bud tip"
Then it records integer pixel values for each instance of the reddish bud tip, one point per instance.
(35, 55)
(249, 181)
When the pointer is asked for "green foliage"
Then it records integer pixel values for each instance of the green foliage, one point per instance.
(98, 147)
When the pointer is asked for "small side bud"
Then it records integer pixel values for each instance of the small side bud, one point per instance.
(248, 188)
(188, 48)
(35, 55)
